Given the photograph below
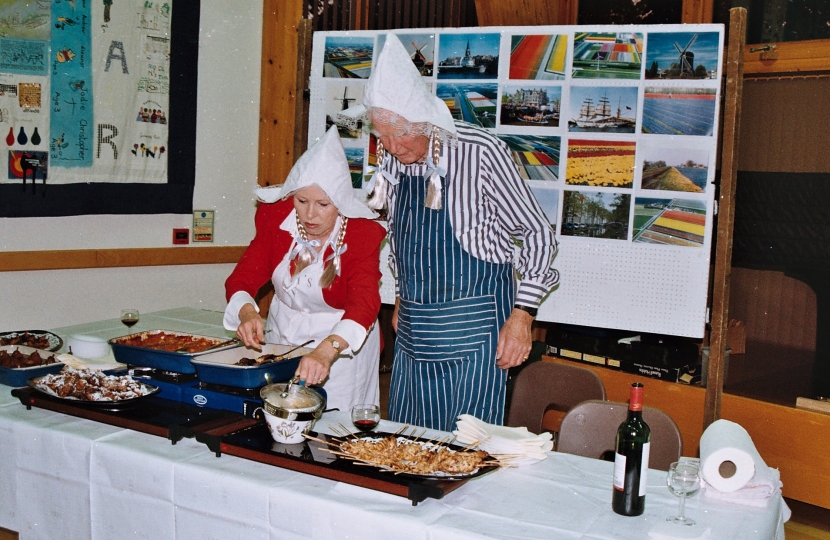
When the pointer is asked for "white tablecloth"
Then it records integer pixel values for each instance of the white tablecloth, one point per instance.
(63, 477)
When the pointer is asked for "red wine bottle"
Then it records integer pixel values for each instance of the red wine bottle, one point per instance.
(631, 459)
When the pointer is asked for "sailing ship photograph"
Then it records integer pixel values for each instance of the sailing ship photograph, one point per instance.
(610, 109)
(682, 55)
(540, 57)
(531, 106)
(675, 169)
(468, 56)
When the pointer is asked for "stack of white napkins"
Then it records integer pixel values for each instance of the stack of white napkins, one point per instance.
(513, 446)
(756, 492)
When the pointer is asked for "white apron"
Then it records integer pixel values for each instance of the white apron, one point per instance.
(298, 313)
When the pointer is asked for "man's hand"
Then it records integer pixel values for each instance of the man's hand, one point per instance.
(515, 340)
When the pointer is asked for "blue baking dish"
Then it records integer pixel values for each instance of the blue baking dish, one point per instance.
(178, 362)
(219, 367)
(17, 377)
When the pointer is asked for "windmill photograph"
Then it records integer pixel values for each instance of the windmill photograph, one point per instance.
(421, 48)
(682, 55)
(339, 98)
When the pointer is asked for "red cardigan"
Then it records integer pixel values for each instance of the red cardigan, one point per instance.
(356, 290)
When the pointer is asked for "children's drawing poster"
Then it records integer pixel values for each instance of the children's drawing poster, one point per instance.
(614, 128)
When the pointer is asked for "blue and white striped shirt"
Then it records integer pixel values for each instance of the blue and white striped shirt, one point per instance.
(493, 213)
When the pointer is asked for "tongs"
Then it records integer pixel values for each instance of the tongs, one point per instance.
(268, 358)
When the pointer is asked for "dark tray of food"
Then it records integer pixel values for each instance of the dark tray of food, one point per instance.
(153, 415)
(36, 339)
(93, 388)
(165, 349)
(18, 364)
(248, 368)
(318, 456)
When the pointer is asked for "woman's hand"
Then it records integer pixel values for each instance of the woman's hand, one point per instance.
(251, 330)
(395, 313)
(315, 366)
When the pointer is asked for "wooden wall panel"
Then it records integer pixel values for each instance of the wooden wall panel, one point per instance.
(278, 89)
(787, 125)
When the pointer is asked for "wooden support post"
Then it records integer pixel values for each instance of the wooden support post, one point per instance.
(304, 40)
(726, 214)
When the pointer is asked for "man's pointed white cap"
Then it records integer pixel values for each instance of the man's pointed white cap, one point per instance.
(396, 85)
(325, 165)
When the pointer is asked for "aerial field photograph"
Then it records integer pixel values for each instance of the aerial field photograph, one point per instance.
(607, 55)
(539, 57)
(675, 222)
(536, 157)
(600, 163)
(475, 103)
(679, 111)
(348, 57)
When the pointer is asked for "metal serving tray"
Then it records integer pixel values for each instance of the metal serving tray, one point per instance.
(178, 362)
(218, 367)
(17, 377)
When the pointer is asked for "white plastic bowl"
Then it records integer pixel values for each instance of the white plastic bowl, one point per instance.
(89, 347)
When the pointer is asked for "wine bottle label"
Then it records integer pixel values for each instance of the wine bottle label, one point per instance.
(619, 471)
(644, 468)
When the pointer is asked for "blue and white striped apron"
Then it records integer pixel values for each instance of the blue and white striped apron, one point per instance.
(452, 306)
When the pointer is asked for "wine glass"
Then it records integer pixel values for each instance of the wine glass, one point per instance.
(365, 416)
(129, 317)
(683, 480)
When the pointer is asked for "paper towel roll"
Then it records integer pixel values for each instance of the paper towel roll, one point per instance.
(726, 442)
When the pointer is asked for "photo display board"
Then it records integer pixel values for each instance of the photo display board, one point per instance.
(614, 129)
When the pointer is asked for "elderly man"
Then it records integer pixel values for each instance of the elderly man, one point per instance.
(470, 247)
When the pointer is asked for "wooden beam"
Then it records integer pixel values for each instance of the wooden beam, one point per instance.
(278, 86)
(726, 214)
(16, 261)
(697, 11)
(524, 12)
(787, 57)
(304, 41)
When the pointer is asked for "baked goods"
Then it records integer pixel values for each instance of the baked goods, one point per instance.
(36, 341)
(89, 385)
(17, 359)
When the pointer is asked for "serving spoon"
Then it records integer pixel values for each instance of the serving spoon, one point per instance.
(268, 358)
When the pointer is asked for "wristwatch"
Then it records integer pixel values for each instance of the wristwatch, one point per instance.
(334, 343)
